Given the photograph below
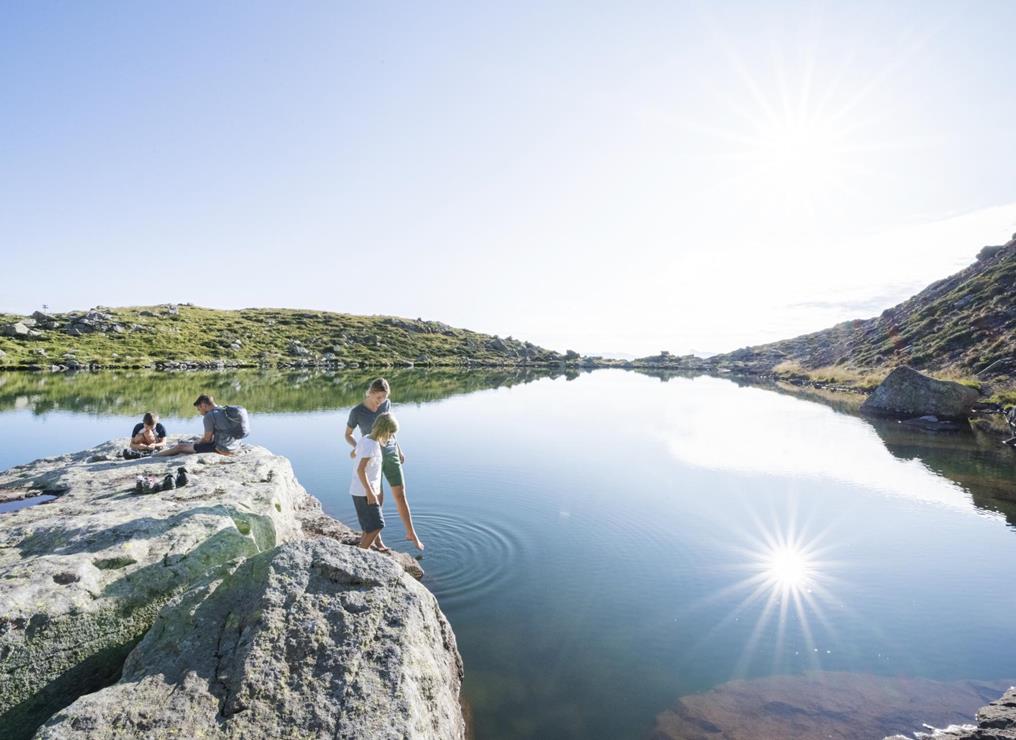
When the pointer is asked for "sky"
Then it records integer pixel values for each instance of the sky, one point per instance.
(616, 178)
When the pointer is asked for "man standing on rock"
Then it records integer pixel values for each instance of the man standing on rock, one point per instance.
(220, 434)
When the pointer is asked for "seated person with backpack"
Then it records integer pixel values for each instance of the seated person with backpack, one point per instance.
(224, 426)
(147, 437)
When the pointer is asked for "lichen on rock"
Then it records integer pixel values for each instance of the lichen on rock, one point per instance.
(83, 578)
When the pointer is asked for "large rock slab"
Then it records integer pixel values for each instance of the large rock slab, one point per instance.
(907, 393)
(83, 577)
(312, 639)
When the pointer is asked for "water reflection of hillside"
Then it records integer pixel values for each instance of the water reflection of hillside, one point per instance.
(980, 464)
(976, 462)
(172, 394)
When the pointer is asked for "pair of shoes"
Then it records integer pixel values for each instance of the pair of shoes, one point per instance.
(181, 477)
(129, 454)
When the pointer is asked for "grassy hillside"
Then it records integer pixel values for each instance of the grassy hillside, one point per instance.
(185, 335)
(960, 328)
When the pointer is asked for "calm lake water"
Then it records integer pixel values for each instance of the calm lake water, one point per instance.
(604, 544)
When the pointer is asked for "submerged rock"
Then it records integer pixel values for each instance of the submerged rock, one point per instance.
(821, 704)
(996, 721)
(907, 393)
(311, 639)
(83, 577)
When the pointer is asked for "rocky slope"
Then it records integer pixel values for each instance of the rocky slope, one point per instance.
(175, 336)
(84, 577)
(963, 326)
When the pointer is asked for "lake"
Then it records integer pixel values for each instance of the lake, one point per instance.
(607, 543)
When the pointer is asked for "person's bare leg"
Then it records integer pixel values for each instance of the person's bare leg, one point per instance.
(399, 494)
(180, 449)
(379, 544)
(368, 538)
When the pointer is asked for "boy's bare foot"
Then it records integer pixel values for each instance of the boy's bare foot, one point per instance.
(417, 542)
(380, 548)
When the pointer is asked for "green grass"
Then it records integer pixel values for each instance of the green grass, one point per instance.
(262, 336)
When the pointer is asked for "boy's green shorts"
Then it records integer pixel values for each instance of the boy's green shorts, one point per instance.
(391, 467)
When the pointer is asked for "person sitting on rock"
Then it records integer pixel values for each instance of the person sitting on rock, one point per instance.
(365, 488)
(218, 436)
(148, 435)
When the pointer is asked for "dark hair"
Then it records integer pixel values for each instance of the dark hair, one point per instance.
(379, 385)
(149, 419)
(203, 399)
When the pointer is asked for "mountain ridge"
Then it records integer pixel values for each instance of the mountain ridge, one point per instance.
(960, 327)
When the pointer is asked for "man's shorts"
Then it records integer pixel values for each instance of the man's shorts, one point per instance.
(391, 466)
(204, 446)
(369, 515)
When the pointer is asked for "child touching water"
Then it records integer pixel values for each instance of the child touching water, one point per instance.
(366, 484)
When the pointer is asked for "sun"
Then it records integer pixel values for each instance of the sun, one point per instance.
(799, 135)
(797, 155)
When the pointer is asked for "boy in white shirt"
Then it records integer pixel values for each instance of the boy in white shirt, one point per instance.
(365, 487)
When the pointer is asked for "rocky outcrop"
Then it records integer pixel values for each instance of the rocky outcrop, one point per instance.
(907, 393)
(996, 721)
(311, 639)
(962, 323)
(83, 577)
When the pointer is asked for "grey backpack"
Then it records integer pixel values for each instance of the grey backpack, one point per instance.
(238, 419)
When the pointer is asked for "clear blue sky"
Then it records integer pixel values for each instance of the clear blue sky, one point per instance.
(616, 177)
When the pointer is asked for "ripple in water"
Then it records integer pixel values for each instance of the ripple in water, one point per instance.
(468, 559)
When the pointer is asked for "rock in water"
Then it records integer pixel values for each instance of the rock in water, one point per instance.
(908, 393)
(996, 721)
(312, 639)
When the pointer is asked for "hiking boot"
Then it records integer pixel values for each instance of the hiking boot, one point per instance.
(167, 482)
(139, 487)
(181, 477)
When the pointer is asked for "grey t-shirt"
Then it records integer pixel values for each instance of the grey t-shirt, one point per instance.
(215, 421)
(362, 418)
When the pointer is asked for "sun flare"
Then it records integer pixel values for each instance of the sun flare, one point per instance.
(788, 568)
